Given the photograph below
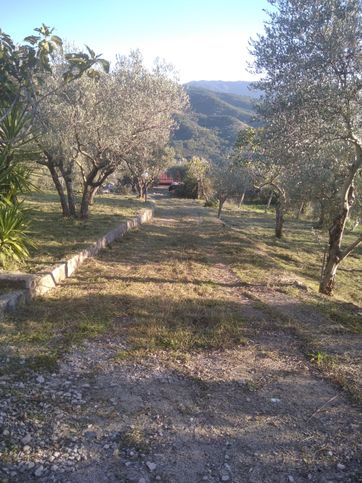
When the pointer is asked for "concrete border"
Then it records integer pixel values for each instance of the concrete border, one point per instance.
(40, 283)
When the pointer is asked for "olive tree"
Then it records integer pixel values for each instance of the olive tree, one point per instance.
(227, 181)
(310, 57)
(96, 125)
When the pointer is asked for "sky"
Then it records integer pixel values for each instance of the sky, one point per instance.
(203, 39)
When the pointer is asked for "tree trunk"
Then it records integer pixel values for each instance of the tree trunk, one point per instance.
(269, 201)
(68, 179)
(335, 254)
(202, 190)
(221, 204)
(279, 219)
(93, 193)
(336, 231)
(84, 206)
(301, 210)
(241, 198)
(322, 215)
(198, 190)
(139, 186)
(60, 190)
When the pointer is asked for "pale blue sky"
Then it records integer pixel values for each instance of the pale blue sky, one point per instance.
(203, 39)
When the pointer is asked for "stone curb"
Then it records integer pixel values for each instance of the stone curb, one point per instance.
(41, 283)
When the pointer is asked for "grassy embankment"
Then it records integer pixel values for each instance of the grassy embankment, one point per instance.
(56, 237)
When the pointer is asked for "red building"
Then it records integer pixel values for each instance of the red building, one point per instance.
(165, 180)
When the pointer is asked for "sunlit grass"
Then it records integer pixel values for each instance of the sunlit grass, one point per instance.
(57, 237)
(296, 260)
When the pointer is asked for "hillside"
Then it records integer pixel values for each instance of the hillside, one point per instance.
(211, 126)
(240, 88)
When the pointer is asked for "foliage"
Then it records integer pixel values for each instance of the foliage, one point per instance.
(14, 230)
(311, 62)
(228, 181)
(23, 69)
(115, 123)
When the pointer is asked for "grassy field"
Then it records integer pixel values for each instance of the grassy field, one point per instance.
(170, 289)
(294, 263)
(57, 237)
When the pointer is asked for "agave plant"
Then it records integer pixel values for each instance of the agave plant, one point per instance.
(14, 234)
(15, 150)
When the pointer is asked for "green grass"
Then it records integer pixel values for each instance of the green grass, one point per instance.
(57, 237)
(156, 289)
(165, 290)
(295, 262)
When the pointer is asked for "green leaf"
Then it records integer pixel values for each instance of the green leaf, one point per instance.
(91, 52)
(32, 39)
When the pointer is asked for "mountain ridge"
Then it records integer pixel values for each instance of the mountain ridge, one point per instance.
(241, 88)
(211, 126)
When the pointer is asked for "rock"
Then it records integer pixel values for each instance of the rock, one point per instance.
(291, 479)
(40, 379)
(39, 471)
(26, 439)
(225, 478)
(6, 432)
(341, 467)
(142, 480)
(151, 466)
(54, 467)
(31, 465)
(275, 400)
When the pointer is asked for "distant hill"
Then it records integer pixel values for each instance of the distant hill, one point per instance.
(213, 123)
(241, 88)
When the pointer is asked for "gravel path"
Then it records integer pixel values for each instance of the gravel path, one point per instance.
(255, 412)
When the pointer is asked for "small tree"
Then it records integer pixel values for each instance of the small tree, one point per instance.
(199, 168)
(146, 164)
(227, 182)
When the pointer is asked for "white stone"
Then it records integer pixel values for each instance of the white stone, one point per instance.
(39, 471)
(40, 379)
(151, 466)
(26, 439)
